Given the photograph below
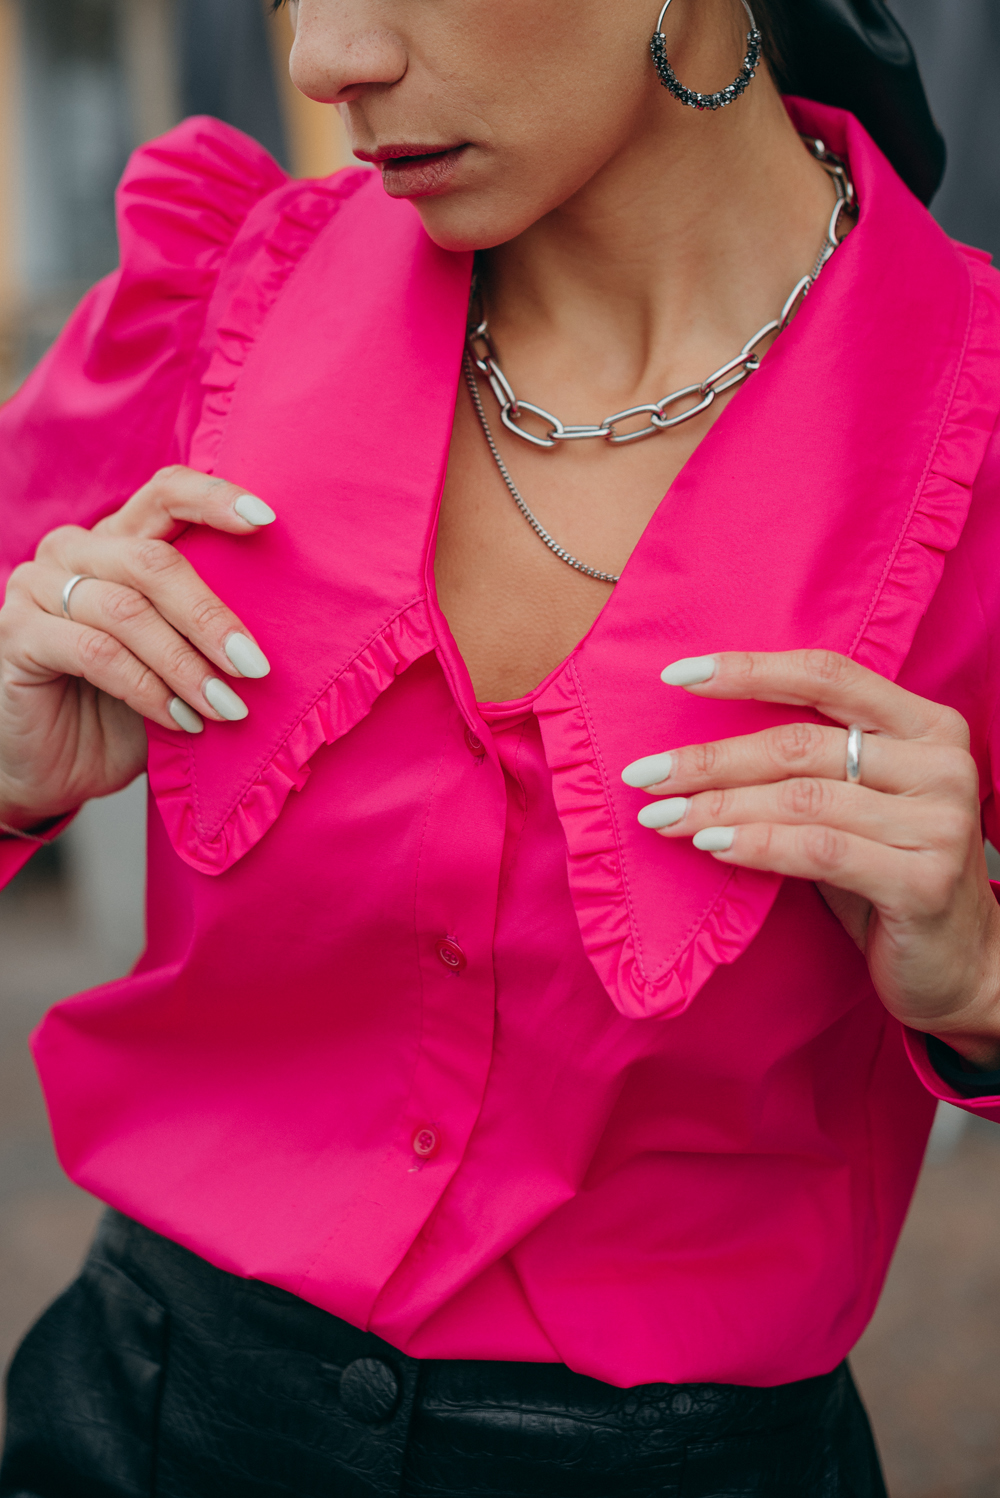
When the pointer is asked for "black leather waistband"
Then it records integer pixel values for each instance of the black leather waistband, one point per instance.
(197, 1384)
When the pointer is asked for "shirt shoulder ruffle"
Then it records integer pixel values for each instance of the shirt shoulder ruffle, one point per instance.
(182, 201)
(97, 416)
(941, 500)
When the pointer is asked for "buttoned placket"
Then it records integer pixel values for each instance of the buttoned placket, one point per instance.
(455, 906)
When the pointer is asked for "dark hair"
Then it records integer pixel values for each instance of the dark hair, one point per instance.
(771, 19)
(854, 55)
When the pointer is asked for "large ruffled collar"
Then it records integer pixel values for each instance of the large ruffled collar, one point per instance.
(816, 512)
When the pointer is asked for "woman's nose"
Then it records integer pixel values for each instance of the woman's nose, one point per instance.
(342, 47)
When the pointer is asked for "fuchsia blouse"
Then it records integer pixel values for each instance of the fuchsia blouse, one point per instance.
(429, 1031)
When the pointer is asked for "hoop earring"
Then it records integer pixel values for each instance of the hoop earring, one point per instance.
(690, 96)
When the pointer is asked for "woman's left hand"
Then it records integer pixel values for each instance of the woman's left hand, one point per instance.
(898, 857)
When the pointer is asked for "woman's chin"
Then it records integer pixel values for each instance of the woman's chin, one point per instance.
(472, 219)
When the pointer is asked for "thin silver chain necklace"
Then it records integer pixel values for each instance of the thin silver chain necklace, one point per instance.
(481, 355)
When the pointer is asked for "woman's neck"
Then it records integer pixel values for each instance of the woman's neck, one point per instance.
(655, 272)
(700, 225)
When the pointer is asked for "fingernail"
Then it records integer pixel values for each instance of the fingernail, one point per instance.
(247, 657)
(224, 700)
(664, 813)
(185, 717)
(689, 672)
(648, 771)
(714, 839)
(253, 510)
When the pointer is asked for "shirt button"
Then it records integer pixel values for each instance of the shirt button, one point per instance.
(369, 1390)
(425, 1142)
(451, 954)
(474, 742)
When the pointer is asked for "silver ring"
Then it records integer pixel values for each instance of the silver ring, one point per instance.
(78, 577)
(854, 738)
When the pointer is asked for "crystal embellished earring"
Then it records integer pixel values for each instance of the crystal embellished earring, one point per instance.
(690, 96)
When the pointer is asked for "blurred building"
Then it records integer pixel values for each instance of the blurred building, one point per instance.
(82, 82)
(958, 45)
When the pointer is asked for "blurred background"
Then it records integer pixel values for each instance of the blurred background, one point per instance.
(81, 83)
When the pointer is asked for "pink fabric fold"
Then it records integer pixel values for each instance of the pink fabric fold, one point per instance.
(257, 800)
(941, 502)
(275, 240)
(734, 908)
(349, 446)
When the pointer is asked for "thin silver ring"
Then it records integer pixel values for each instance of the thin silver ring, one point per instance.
(854, 740)
(78, 577)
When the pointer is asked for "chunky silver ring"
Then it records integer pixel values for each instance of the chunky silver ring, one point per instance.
(78, 577)
(854, 738)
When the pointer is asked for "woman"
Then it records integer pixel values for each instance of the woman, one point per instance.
(528, 1073)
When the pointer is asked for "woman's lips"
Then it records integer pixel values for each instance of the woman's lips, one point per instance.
(419, 175)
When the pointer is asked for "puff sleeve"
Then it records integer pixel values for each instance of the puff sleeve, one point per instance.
(97, 416)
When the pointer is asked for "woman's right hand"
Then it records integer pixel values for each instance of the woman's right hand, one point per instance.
(147, 639)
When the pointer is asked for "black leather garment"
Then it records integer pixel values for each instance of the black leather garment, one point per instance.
(157, 1374)
(854, 54)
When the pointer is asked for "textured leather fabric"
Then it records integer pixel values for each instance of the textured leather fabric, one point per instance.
(542, 1430)
(156, 1373)
(86, 1391)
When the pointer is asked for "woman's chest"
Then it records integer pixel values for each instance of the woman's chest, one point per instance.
(515, 608)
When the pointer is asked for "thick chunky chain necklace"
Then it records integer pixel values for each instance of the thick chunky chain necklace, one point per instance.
(481, 357)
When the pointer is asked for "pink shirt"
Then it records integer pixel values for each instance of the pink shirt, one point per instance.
(443, 1041)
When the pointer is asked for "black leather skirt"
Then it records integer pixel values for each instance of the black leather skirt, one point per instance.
(157, 1374)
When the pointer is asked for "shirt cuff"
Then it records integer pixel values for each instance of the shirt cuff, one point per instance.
(949, 1067)
(941, 1069)
(986, 1102)
(16, 851)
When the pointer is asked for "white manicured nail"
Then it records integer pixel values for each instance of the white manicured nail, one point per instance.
(664, 813)
(185, 717)
(690, 672)
(224, 700)
(253, 510)
(648, 771)
(247, 657)
(714, 839)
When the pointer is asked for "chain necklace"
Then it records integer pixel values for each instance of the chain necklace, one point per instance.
(481, 355)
